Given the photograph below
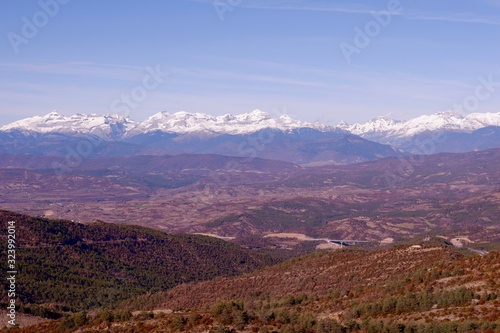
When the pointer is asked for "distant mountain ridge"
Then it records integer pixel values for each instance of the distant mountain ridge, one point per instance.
(117, 127)
(106, 126)
(446, 131)
(254, 134)
(250, 135)
(438, 121)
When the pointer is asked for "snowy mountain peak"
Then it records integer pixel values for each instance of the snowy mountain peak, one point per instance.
(442, 121)
(53, 114)
(449, 114)
(374, 125)
(184, 122)
(255, 116)
(106, 126)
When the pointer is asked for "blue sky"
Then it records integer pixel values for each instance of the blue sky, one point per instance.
(234, 56)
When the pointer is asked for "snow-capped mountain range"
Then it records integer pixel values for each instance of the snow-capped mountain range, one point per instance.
(184, 123)
(440, 132)
(107, 126)
(115, 126)
(443, 121)
(400, 134)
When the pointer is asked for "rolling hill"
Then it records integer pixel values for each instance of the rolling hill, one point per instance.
(68, 267)
(424, 287)
(252, 199)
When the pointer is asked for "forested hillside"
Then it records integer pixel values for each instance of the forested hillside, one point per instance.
(66, 267)
(421, 288)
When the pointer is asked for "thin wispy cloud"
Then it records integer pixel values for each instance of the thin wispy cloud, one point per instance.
(354, 8)
(77, 68)
(351, 8)
(464, 18)
(241, 76)
(326, 77)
